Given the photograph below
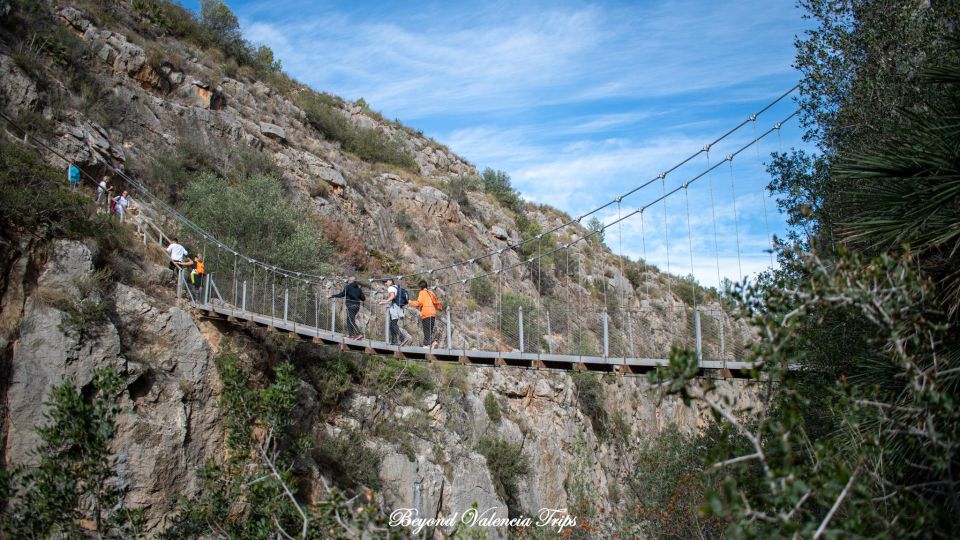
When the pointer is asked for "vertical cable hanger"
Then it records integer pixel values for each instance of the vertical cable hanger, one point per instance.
(736, 223)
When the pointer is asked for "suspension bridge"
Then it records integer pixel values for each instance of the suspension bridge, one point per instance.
(243, 290)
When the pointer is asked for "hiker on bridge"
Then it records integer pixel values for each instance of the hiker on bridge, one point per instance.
(178, 255)
(353, 296)
(429, 305)
(197, 275)
(397, 300)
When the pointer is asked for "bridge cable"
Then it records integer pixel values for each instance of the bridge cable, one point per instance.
(666, 234)
(693, 280)
(661, 176)
(736, 224)
(670, 193)
(763, 195)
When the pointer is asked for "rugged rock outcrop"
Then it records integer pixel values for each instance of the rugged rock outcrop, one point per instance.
(169, 425)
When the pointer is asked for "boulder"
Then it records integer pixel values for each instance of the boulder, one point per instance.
(273, 131)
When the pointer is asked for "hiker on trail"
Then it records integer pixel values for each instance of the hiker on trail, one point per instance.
(353, 296)
(104, 192)
(196, 276)
(429, 305)
(177, 254)
(395, 298)
(73, 176)
(120, 204)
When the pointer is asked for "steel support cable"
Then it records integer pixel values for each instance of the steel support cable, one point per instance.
(686, 197)
(729, 158)
(736, 223)
(766, 222)
(716, 245)
(154, 200)
(190, 224)
(643, 236)
(661, 176)
(620, 249)
(179, 217)
(666, 234)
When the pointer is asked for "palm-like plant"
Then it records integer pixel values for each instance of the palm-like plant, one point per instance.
(907, 193)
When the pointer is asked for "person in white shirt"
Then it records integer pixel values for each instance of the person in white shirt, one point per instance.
(177, 253)
(103, 192)
(121, 205)
(398, 336)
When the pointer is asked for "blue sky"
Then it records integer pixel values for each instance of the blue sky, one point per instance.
(578, 102)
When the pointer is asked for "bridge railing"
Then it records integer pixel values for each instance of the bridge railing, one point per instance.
(247, 286)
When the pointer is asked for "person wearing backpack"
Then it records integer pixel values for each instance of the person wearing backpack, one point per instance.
(429, 305)
(397, 299)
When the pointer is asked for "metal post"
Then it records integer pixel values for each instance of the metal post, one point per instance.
(333, 316)
(243, 306)
(720, 324)
(286, 303)
(696, 319)
(549, 335)
(316, 310)
(179, 282)
(520, 310)
(606, 336)
(206, 289)
(449, 332)
(386, 325)
(633, 346)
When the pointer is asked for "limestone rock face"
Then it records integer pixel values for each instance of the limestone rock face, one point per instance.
(18, 90)
(169, 424)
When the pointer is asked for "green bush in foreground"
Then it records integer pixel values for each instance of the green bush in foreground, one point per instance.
(73, 480)
(507, 464)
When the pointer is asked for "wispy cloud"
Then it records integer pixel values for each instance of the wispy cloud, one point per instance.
(578, 103)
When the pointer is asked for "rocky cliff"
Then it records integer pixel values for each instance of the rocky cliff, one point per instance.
(162, 92)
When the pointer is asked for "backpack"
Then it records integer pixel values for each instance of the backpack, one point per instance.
(437, 304)
(402, 298)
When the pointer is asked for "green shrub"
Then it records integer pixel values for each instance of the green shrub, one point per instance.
(596, 230)
(35, 197)
(255, 218)
(493, 410)
(670, 485)
(73, 481)
(459, 186)
(348, 461)
(590, 398)
(507, 464)
(369, 144)
(497, 183)
(483, 292)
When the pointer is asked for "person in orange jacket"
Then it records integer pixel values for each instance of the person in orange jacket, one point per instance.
(429, 306)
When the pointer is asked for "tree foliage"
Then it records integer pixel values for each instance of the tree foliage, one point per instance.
(72, 488)
(858, 345)
(254, 216)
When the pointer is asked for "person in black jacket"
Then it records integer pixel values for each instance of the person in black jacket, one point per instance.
(353, 296)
